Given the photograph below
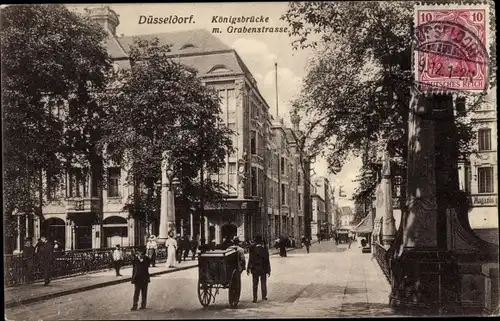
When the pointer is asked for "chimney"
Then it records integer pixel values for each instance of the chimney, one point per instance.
(106, 17)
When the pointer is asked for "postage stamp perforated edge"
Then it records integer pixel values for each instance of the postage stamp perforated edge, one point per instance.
(485, 5)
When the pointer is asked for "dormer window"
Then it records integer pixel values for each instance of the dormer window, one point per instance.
(219, 69)
(187, 46)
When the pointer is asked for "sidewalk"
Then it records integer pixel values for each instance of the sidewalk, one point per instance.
(30, 293)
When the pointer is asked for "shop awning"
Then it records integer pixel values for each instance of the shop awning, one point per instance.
(365, 226)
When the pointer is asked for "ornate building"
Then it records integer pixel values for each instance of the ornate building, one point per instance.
(479, 175)
(263, 172)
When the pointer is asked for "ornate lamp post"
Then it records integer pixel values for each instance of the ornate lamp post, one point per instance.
(167, 209)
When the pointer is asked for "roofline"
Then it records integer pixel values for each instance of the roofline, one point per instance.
(256, 87)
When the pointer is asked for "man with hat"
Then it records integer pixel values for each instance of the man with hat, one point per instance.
(29, 259)
(140, 278)
(45, 256)
(260, 267)
(118, 259)
(152, 246)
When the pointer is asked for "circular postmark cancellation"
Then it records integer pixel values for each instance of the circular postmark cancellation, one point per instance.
(450, 51)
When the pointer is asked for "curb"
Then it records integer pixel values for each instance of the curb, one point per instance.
(86, 288)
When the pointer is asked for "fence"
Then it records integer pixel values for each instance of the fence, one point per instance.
(383, 259)
(67, 263)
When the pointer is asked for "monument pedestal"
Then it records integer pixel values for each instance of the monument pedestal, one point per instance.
(425, 282)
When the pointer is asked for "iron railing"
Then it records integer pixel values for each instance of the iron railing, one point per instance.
(67, 263)
(383, 259)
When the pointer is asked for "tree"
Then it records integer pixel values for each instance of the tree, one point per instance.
(358, 85)
(49, 56)
(159, 109)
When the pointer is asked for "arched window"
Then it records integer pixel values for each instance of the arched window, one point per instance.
(219, 69)
(187, 46)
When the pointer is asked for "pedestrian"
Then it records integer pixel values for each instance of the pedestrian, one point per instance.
(186, 245)
(45, 257)
(37, 245)
(28, 259)
(171, 245)
(194, 247)
(226, 243)
(57, 247)
(306, 242)
(180, 248)
(117, 259)
(140, 278)
(349, 239)
(152, 247)
(319, 238)
(241, 257)
(260, 267)
(282, 245)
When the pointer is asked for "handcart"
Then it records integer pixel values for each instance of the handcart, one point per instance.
(218, 269)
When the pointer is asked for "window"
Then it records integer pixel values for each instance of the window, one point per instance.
(253, 143)
(113, 181)
(460, 105)
(222, 174)
(78, 186)
(232, 179)
(484, 139)
(282, 165)
(485, 179)
(231, 103)
(300, 201)
(51, 186)
(188, 45)
(254, 181)
(222, 97)
(283, 194)
(299, 178)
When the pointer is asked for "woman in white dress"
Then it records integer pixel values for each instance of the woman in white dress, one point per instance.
(171, 245)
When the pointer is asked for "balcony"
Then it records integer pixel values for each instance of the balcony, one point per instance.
(82, 205)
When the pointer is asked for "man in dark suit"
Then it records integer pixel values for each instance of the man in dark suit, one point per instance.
(260, 267)
(29, 257)
(140, 278)
(45, 255)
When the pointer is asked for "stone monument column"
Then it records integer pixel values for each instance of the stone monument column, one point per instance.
(167, 206)
(388, 223)
(424, 276)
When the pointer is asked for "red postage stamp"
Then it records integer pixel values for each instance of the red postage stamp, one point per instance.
(450, 52)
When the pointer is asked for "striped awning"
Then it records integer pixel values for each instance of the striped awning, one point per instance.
(365, 226)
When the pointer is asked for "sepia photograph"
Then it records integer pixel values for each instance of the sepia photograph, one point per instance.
(249, 160)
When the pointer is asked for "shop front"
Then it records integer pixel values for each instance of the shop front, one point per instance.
(232, 218)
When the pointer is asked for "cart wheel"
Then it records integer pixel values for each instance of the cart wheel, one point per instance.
(204, 294)
(234, 289)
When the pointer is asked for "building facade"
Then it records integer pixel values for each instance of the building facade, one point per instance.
(264, 175)
(478, 176)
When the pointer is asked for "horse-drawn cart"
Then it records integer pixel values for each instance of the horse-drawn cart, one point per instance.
(217, 270)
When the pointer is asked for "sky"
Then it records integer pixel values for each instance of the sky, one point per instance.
(258, 51)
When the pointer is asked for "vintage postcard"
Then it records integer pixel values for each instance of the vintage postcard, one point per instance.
(327, 159)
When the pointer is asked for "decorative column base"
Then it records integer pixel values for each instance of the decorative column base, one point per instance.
(425, 283)
(163, 238)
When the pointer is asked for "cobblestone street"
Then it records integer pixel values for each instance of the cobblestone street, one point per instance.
(331, 281)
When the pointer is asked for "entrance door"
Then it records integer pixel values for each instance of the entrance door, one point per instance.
(83, 236)
(54, 229)
(228, 230)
